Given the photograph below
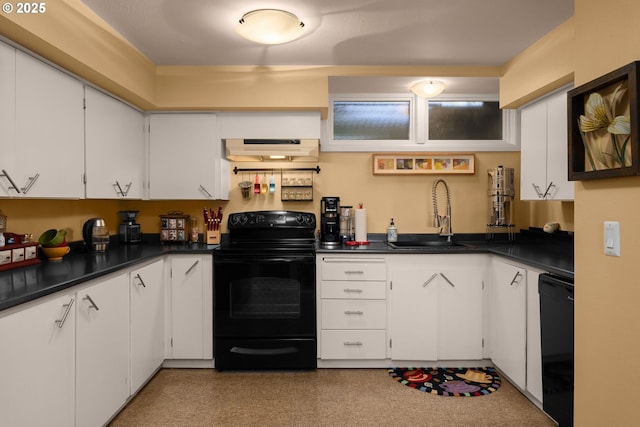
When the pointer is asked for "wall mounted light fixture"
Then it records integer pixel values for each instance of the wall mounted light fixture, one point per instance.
(270, 26)
(427, 88)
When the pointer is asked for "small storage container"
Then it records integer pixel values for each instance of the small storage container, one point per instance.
(174, 227)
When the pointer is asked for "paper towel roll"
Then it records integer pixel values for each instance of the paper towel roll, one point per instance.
(361, 225)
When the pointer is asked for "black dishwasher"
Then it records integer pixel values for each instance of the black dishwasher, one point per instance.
(556, 330)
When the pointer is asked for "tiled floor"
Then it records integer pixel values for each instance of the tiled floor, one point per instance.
(324, 397)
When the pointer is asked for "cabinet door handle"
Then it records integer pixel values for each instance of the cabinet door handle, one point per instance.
(448, 281)
(206, 193)
(547, 191)
(353, 343)
(538, 192)
(429, 280)
(141, 281)
(32, 180)
(119, 191)
(357, 291)
(92, 304)
(191, 268)
(67, 307)
(13, 184)
(515, 278)
(354, 312)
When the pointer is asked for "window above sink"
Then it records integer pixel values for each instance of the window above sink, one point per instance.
(373, 114)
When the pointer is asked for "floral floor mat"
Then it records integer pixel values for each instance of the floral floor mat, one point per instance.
(449, 381)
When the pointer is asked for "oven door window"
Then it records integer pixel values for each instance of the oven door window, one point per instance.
(265, 298)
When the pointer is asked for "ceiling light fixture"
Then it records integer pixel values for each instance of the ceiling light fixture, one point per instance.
(270, 26)
(427, 88)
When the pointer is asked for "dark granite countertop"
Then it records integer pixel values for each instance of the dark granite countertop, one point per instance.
(552, 253)
(549, 252)
(25, 284)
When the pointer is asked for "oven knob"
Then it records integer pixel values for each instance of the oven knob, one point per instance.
(299, 219)
(244, 219)
(309, 219)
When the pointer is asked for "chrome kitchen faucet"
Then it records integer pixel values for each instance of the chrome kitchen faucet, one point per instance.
(442, 221)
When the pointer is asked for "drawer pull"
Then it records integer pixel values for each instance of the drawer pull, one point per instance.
(355, 312)
(359, 260)
(353, 343)
(357, 291)
(353, 272)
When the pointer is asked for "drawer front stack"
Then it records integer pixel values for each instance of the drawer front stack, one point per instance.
(353, 307)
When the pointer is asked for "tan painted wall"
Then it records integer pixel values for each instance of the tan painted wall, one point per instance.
(349, 176)
(607, 291)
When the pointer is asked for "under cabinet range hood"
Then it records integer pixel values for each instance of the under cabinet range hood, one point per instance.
(258, 150)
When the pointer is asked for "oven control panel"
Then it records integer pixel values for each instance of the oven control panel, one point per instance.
(271, 219)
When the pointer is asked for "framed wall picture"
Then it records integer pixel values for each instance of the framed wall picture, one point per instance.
(603, 126)
(423, 164)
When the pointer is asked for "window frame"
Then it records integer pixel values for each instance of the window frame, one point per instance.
(418, 128)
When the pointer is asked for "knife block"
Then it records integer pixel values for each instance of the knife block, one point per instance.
(212, 237)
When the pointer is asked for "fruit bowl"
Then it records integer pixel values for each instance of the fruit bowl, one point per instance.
(55, 254)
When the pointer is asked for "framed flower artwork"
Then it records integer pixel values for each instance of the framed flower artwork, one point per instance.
(603, 126)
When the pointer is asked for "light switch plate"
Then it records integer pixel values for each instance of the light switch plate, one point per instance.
(612, 238)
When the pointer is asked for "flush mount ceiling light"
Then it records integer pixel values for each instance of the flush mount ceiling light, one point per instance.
(427, 88)
(270, 26)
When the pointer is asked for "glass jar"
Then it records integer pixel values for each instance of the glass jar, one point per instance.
(3, 222)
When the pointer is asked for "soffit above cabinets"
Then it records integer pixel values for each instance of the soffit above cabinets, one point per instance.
(401, 84)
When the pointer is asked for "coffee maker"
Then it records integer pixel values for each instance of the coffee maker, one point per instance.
(129, 229)
(330, 221)
(96, 235)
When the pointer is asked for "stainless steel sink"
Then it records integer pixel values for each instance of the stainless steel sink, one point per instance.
(422, 244)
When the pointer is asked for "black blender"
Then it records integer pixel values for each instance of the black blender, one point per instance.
(129, 229)
(330, 221)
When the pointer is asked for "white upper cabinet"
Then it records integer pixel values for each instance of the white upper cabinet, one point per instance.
(114, 144)
(544, 143)
(44, 154)
(185, 158)
(7, 114)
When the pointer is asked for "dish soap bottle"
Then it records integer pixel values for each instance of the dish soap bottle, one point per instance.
(392, 232)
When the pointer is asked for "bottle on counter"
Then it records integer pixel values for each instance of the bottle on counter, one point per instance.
(392, 232)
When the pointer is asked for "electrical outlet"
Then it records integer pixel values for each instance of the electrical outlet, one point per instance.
(612, 238)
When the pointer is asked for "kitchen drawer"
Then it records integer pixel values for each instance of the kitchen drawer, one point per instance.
(344, 289)
(353, 344)
(338, 268)
(354, 314)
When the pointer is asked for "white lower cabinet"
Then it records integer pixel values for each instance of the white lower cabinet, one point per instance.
(146, 291)
(352, 307)
(190, 322)
(534, 344)
(508, 320)
(37, 363)
(435, 307)
(515, 324)
(102, 350)
(77, 356)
